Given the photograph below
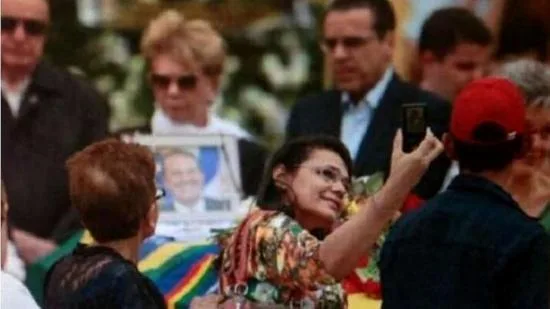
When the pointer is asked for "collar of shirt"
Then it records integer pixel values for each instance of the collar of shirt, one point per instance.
(473, 183)
(200, 206)
(20, 89)
(373, 97)
(162, 124)
(15, 97)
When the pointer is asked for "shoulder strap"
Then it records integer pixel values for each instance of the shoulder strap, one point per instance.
(237, 269)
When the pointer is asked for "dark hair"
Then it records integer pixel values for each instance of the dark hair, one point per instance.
(291, 155)
(446, 28)
(384, 17)
(524, 29)
(488, 155)
(111, 184)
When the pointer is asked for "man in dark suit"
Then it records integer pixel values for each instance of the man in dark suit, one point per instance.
(47, 115)
(365, 110)
(185, 181)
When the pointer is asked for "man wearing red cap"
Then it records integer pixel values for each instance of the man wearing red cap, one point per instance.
(472, 246)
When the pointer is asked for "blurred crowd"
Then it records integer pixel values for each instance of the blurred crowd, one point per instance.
(482, 164)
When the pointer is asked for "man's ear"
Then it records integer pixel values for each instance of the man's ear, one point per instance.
(389, 38)
(449, 145)
(426, 57)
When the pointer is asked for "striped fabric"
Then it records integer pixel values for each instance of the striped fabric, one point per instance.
(180, 271)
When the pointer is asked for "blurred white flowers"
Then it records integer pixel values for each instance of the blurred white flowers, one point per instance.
(268, 65)
(295, 73)
(266, 106)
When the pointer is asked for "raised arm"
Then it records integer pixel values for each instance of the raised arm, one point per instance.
(342, 249)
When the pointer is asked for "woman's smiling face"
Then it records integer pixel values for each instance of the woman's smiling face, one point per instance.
(318, 187)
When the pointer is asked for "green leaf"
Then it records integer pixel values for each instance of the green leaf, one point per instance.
(374, 183)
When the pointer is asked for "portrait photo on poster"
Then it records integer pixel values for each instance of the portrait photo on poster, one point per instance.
(200, 177)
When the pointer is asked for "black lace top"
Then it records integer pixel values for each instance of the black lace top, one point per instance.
(98, 277)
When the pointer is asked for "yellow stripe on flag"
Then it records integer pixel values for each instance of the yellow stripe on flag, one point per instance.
(361, 301)
(158, 257)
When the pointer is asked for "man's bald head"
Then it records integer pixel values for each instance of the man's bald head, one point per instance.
(27, 8)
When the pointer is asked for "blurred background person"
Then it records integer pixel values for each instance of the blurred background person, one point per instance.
(185, 181)
(524, 32)
(364, 109)
(530, 183)
(112, 185)
(14, 293)
(454, 49)
(292, 250)
(184, 59)
(47, 114)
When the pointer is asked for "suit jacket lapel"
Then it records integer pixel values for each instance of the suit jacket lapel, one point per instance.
(7, 116)
(374, 152)
(29, 102)
(42, 87)
(333, 114)
(327, 117)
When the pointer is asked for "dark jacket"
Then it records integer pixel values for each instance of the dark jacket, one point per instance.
(96, 278)
(469, 247)
(322, 114)
(252, 158)
(59, 115)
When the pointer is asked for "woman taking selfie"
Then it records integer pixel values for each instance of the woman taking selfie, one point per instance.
(293, 251)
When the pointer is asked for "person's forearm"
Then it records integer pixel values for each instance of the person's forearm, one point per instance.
(341, 250)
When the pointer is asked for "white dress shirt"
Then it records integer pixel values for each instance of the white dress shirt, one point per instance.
(451, 174)
(162, 124)
(15, 97)
(356, 117)
(200, 206)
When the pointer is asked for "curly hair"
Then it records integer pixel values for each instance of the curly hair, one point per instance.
(185, 40)
(111, 184)
(532, 77)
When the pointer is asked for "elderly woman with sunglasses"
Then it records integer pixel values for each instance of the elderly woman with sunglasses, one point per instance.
(294, 250)
(112, 186)
(185, 59)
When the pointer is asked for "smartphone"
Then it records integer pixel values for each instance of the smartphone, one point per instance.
(414, 123)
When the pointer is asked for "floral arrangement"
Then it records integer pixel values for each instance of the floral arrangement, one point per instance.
(366, 277)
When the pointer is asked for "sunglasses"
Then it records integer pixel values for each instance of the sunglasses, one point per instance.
(160, 193)
(184, 82)
(31, 26)
(330, 175)
(351, 42)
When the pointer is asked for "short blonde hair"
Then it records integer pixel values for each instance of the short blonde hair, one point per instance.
(185, 40)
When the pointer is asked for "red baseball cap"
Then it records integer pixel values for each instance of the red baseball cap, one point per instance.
(491, 100)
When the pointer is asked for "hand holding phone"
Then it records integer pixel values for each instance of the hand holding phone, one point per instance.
(414, 121)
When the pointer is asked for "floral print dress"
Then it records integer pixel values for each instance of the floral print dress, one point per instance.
(283, 265)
